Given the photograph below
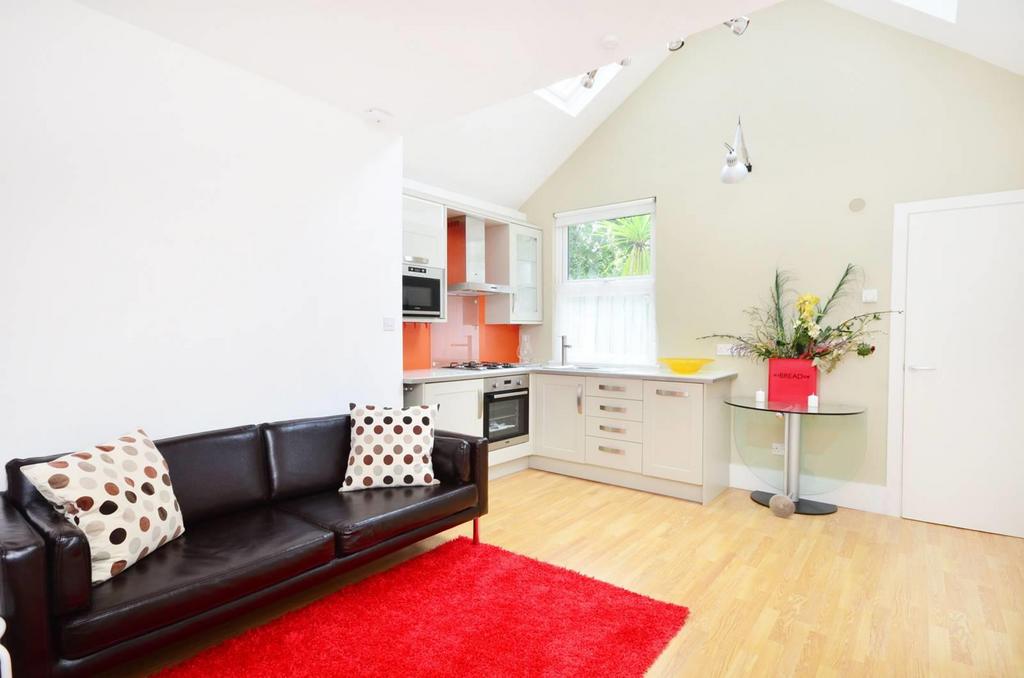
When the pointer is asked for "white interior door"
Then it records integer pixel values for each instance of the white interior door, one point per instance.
(963, 382)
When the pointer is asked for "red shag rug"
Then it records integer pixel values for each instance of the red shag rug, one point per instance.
(459, 610)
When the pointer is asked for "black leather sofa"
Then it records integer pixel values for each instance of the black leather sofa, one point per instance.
(263, 519)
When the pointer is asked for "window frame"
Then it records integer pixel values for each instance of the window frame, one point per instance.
(597, 286)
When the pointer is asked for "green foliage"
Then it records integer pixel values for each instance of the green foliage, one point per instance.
(610, 249)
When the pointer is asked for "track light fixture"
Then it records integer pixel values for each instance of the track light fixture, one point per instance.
(676, 45)
(588, 78)
(738, 25)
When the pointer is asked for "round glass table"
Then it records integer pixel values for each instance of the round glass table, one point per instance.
(792, 413)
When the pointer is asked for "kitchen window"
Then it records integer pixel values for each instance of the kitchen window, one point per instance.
(604, 284)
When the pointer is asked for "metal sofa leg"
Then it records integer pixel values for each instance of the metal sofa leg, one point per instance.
(476, 530)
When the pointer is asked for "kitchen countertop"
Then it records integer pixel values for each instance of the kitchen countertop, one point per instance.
(448, 374)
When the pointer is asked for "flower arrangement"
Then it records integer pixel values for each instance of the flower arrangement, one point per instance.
(804, 333)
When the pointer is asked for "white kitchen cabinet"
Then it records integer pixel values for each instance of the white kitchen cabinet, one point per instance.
(558, 424)
(514, 258)
(673, 416)
(461, 405)
(424, 233)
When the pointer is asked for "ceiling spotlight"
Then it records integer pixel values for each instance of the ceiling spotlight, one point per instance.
(588, 78)
(676, 45)
(738, 25)
(733, 171)
(625, 62)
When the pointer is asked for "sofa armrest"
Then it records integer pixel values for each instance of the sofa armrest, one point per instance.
(447, 443)
(23, 593)
(68, 553)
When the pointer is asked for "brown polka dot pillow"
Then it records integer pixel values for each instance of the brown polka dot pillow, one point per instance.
(118, 494)
(390, 448)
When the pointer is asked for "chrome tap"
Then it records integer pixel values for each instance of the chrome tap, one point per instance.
(565, 348)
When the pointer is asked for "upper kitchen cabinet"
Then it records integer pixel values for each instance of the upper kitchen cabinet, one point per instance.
(514, 258)
(424, 233)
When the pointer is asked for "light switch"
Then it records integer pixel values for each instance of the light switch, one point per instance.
(389, 324)
(869, 296)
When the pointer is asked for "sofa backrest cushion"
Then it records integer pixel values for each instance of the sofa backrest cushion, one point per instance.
(217, 471)
(20, 489)
(307, 455)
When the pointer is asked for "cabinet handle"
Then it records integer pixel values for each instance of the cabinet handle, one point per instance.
(610, 429)
(579, 399)
(480, 405)
(609, 408)
(610, 450)
(672, 394)
(417, 260)
(606, 387)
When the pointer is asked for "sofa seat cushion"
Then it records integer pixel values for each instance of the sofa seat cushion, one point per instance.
(362, 519)
(213, 563)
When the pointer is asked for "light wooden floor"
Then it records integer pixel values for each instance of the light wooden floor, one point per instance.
(852, 594)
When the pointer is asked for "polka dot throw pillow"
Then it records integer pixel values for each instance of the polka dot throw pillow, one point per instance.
(119, 494)
(390, 448)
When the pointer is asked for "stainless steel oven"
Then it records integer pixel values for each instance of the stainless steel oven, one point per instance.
(423, 293)
(507, 410)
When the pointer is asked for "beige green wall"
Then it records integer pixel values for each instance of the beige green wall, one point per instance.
(835, 107)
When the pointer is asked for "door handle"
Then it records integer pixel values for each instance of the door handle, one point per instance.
(417, 260)
(579, 399)
(672, 394)
(515, 394)
(610, 450)
(921, 368)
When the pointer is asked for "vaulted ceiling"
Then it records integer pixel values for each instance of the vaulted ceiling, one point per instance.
(421, 61)
(457, 75)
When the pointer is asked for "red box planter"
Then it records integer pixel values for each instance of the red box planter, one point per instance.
(791, 380)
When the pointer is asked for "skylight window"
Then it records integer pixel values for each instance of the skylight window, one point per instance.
(942, 9)
(571, 97)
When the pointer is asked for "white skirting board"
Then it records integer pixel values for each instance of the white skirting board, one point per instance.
(859, 496)
(495, 471)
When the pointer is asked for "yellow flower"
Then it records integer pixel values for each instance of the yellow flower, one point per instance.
(806, 304)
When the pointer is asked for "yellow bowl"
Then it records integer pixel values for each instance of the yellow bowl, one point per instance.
(685, 365)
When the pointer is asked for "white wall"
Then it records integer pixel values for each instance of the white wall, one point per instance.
(835, 107)
(183, 245)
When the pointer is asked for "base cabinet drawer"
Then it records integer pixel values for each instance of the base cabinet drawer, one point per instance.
(615, 408)
(615, 429)
(630, 389)
(618, 454)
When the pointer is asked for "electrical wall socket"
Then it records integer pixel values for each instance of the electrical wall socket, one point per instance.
(389, 324)
(779, 449)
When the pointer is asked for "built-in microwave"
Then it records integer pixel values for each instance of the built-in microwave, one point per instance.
(423, 292)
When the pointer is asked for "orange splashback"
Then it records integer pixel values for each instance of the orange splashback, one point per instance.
(456, 250)
(498, 343)
(415, 346)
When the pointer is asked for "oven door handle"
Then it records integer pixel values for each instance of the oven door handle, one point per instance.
(514, 394)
